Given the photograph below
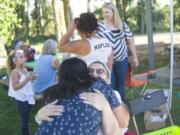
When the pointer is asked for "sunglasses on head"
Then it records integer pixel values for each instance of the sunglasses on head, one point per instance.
(98, 71)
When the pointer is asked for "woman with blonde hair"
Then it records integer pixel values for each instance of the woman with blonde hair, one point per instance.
(119, 34)
(46, 67)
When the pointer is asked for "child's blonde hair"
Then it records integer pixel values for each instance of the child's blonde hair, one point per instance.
(12, 58)
(49, 47)
(116, 17)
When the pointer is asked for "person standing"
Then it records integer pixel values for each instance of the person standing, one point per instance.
(90, 47)
(20, 87)
(119, 34)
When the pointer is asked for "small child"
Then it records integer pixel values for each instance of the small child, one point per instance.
(20, 87)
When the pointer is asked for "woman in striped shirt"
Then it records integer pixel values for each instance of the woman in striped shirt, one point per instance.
(119, 34)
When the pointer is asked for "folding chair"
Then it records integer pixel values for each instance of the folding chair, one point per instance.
(146, 103)
(134, 84)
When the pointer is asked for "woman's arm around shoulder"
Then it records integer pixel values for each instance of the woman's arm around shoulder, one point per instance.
(122, 115)
(45, 112)
(109, 123)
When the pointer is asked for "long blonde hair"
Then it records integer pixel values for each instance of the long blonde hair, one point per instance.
(12, 58)
(116, 17)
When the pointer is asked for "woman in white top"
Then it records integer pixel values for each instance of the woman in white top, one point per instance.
(20, 87)
(91, 47)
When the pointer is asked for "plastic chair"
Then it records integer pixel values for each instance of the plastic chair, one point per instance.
(134, 84)
(146, 103)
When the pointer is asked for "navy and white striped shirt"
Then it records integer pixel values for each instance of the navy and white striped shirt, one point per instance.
(117, 38)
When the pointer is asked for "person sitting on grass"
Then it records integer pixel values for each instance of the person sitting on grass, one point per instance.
(46, 67)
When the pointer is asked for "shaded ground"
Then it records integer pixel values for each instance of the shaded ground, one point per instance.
(163, 75)
(162, 56)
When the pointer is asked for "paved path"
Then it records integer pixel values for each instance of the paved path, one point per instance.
(163, 75)
(157, 37)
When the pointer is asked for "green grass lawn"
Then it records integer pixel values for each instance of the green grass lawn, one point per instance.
(9, 117)
(10, 123)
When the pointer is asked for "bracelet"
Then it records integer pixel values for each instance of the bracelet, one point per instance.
(37, 120)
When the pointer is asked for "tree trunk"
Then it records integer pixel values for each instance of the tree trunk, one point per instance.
(38, 17)
(142, 16)
(88, 5)
(59, 18)
(66, 12)
(42, 9)
(20, 14)
(27, 20)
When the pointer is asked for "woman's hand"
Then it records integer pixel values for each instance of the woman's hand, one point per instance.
(65, 38)
(72, 25)
(31, 76)
(95, 99)
(48, 110)
(135, 61)
(109, 123)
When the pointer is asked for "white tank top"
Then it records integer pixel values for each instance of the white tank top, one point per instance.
(101, 49)
(23, 94)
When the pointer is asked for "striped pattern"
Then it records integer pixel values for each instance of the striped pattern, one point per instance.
(117, 38)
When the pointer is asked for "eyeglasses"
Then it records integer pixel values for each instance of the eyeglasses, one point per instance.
(98, 71)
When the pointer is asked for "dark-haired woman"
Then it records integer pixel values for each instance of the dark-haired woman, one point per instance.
(91, 47)
(78, 117)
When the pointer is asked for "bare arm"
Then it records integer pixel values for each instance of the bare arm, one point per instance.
(55, 63)
(45, 112)
(65, 38)
(15, 77)
(110, 127)
(122, 115)
(110, 124)
(131, 46)
(110, 62)
(78, 47)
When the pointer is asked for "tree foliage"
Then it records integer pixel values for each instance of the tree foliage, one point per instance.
(20, 18)
(176, 15)
(8, 20)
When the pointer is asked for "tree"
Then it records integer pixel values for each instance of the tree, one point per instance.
(177, 15)
(123, 6)
(8, 20)
(37, 17)
(21, 14)
(60, 25)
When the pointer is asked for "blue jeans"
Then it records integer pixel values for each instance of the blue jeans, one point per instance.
(118, 76)
(24, 110)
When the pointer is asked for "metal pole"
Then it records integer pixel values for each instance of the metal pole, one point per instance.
(135, 124)
(171, 53)
(149, 30)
